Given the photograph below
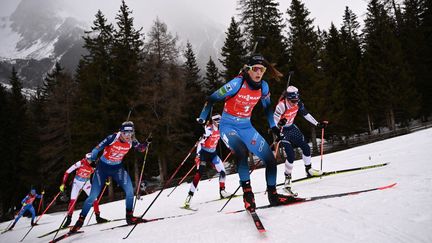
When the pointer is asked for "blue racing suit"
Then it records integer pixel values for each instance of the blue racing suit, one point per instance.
(27, 203)
(236, 129)
(111, 165)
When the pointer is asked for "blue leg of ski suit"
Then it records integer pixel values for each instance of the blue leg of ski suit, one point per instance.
(119, 175)
(26, 207)
(241, 136)
(293, 138)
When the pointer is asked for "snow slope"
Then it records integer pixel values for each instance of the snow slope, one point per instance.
(400, 214)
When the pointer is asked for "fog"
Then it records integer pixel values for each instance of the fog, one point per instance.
(170, 11)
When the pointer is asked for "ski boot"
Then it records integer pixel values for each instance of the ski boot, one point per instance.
(12, 226)
(78, 224)
(130, 219)
(33, 224)
(188, 199)
(311, 172)
(68, 221)
(248, 197)
(99, 219)
(287, 186)
(223, 194)
(276, 199)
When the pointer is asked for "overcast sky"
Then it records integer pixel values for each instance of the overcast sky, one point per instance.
(220, 11)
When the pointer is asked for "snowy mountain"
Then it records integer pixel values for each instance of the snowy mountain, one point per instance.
(34, 36)
(37, 33)
(399, 214)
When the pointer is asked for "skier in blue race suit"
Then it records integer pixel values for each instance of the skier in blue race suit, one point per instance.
(27, 204)
(241, 95)
(114, 147)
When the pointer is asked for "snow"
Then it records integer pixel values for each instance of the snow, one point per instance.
(399, 214)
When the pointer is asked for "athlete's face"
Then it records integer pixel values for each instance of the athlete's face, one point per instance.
(293, 102)
(126, 136)
(256, 72)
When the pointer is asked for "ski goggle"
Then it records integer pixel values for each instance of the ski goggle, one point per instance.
(127, 133)
(294, 101)
(257, 68)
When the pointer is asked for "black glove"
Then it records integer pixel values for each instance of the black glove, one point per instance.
(201, 121)
(277, 132)
(282, 122)
(149, 140)
(322, 124)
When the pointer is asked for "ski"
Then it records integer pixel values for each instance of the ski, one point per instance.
(109, 221)
(257, 222)
(189, 208)
(70, 227)
(219, 199)
(329, 173)
(6, 230)
(298, 200)
(147, 221)
(54, 231)
(62, 237)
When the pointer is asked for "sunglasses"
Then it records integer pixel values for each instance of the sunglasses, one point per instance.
(127, 134)
(256, 68)
(294, 101)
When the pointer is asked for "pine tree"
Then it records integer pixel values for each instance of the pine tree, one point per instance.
(94, 76)
(304, 59)
(425, 75)
(7, 172)
(20, 144)
(127, 58)
(55, 136)
(193, 79)
(414, 44)
(385, 69)
(233, 52)
(213, 76)
(342, 56)
(195, 87)
(164, 107)
(262, 18)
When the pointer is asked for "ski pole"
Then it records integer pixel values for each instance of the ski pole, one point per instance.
(98, 200)
(253, 168)
(37, 220)
(14, 218)
(40, 203)
(164, 186)
(187, 156)
(184, 177)
(72, 206)
(322, 148)
(140, 178)
(191, 169)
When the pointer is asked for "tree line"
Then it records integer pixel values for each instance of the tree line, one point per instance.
(359, 80)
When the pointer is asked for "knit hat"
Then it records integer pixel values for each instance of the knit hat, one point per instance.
(257, 59)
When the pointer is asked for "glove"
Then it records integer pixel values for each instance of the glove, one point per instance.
(197, 160)
(201, 121)
(24, 204)
(107, 182)
(43, 192)
(322, 124)
(62, 187)
(149, 140)
(141, 148)
(277, 133)
(282, 122)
